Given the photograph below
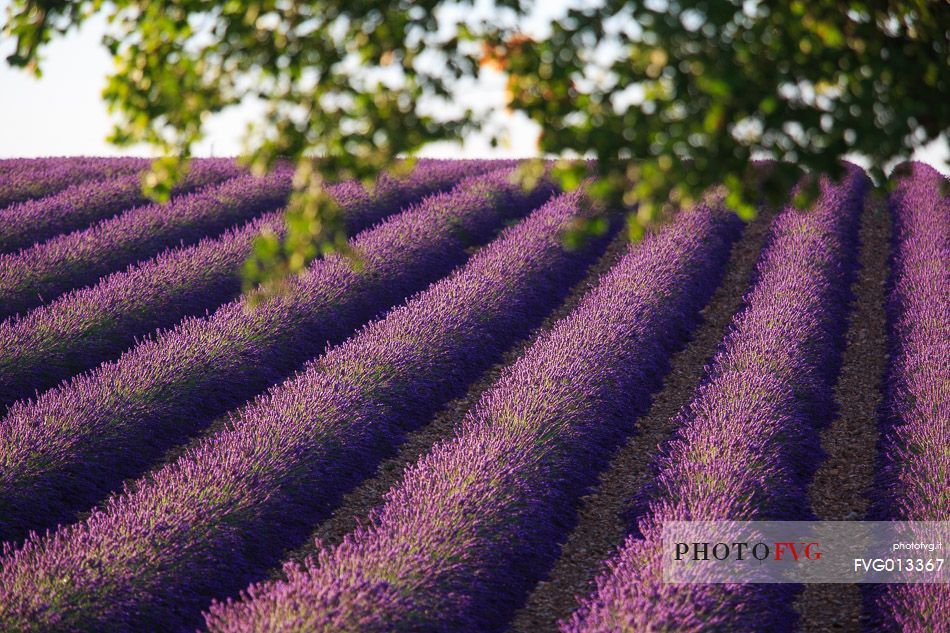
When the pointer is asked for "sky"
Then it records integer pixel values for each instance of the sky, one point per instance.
(63, 114)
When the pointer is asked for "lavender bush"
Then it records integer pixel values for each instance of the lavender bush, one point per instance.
(44, 271)
(84, 203)
(746, 442)
(22, 179)
(471, 525)
(91, 325)
(914, 483)
(77, 441)
(203, 524)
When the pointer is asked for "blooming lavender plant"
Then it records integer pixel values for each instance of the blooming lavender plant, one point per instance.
(914, 482)
(194, 527)
(745, 442)
(471, 525)
(77, 441)
(84, 203)
(91, 325)
(22, 179)
(44, 271)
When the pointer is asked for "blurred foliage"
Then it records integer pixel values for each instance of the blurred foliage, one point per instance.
(670, 97)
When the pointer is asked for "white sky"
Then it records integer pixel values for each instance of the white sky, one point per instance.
(62, 113)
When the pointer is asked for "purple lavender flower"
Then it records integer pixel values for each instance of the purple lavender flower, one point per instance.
(470, 526)
(743, 442)
(202, 525)
(76, 442)
(86, 202)
(44, 271)
(22, 179)
(914, 482)
(88, 326)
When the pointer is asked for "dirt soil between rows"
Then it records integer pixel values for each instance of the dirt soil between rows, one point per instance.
(838, 491)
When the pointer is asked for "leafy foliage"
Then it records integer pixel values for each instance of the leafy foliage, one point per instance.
(670, 96)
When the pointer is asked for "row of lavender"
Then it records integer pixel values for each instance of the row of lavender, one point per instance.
(218, 516)
(95, 324)
(23, 179)
(914, 482)
(76, 442)
(85, 202)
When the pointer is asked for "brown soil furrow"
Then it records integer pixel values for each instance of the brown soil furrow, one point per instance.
(838, 491)
(601, 525)
(358, 502)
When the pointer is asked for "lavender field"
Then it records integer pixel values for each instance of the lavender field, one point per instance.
(477, 429)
